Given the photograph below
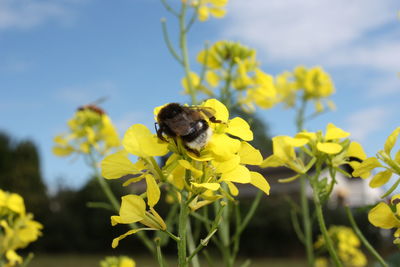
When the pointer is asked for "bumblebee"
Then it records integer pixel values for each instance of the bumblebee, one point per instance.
(187, 123)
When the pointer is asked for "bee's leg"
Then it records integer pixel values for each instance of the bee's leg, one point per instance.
(194, 151)
(214, 120)
(160, 133)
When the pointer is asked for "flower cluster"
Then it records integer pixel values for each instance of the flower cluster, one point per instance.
(387, 216)
(89, 129)
(346, 244)
(207, 8)
(314, 84)
(384, 160)
(222, 161)
(17, 228)
(332, 149)
(122, 261)
(237, 64)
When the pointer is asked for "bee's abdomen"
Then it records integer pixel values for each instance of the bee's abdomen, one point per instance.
(198, 138)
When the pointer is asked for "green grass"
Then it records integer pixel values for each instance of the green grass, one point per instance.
(72, 260)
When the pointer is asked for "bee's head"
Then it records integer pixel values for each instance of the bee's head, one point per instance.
(169, 111)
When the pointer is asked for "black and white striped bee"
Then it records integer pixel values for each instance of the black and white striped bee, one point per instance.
(189, 123)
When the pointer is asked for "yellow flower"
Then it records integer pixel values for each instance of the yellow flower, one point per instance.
(139, 141)
(89, 130)
(17, 228)
(121, 261)
(383, 216)
(333, 147)
(133, 209)
(383, 159)
(314, 83)
(346, 244)
(205, 8)
(12, 201)
(284, 154)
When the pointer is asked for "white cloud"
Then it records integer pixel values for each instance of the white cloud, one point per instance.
(365, 122)
(316, 31)
(25, 14)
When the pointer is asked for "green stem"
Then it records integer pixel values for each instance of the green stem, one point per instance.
(322, 225)
(169, 8)
(193, 259)
(185, 53)
(182, 227)
(225, 92)
(27, 260)
(168, 41)
(305, 211)
(160, 259)
(211, 232)
(363, 239)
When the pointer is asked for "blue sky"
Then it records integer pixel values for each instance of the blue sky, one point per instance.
(58, 55)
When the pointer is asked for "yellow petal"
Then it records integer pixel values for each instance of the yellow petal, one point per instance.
(212, 78)
(153, 191)
(221, 112)
(239, 175)
(296, 142)
(117, 165)
(14, 202)
(203, 13)
(227, 165)
(223, 146)
(380, 179)
(308, 135)
(186, 164)
(194, 79)
(272, 161)
(133, 180)
(115, 241)
(260, 182)
(333, 132)
(218, 12)
(363, 170)
(249, 155)
(240, 128)
(232, 188)
(391, 140)
(62, 151)
(282, 149)
(329, 148)
(133, 209)
(139, 141)
(356, 150)
(382, 216)
(13, 258)
(209, 186)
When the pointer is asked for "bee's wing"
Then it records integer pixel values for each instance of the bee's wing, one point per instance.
(206, 111)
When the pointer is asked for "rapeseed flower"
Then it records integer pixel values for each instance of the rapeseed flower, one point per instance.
(222, 160)
(121, 261)
(90, 130)
(387, 216)
(389, 164)
(346, 244)
(207, 8)
(17, 228)
(312, 84)
(333, 149)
